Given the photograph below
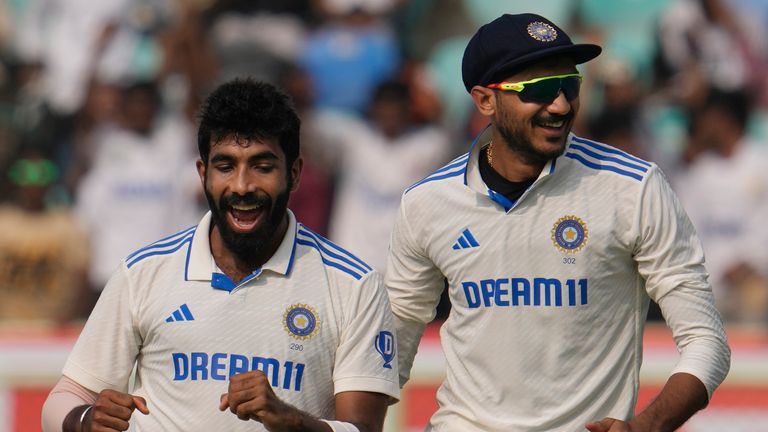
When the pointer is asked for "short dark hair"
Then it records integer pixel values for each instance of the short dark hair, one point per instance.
(735, 104)
(251, 110)
(392, 91)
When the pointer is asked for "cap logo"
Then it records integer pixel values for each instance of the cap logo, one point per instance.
(542, 32)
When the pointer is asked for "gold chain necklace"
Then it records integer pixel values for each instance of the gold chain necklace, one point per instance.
(489, 154)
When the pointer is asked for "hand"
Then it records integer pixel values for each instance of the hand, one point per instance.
(251, 397)
(112, 410)
(609, 425)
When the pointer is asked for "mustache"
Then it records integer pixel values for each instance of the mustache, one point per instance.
(245, 200)
(554, 118)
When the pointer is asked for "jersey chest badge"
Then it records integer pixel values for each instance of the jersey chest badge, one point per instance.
(301, 321)
(570, 234)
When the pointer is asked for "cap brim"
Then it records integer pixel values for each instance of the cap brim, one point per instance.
(580, 53)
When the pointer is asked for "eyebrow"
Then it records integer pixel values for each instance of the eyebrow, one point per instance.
(261, 156)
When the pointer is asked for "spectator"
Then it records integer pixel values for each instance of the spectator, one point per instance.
(311, 203)
(725, 191)
(43, 253)
(703, 42)
(141, 185)
(375, 160)
(350, 54)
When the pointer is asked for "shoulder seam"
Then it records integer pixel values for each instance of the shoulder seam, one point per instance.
(605, 158)
(333, 255)
(161, 248)
(455, 168)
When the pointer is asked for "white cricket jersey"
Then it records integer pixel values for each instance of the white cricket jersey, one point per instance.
(727, 200)
(314, 318)
(549, 294)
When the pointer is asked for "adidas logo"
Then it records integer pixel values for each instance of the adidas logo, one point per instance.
(181, 314)
(465, 241)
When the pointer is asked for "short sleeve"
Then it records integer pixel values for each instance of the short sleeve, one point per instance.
(366, 358)
(104, 354)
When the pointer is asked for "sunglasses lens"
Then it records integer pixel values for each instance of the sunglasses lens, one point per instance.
(571, 86)
(545, 91)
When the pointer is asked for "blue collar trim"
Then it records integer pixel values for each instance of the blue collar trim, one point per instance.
(220, 281)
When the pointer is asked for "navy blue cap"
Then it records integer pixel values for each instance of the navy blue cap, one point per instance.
(512, 41)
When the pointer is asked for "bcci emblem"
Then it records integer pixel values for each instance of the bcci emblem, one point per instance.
(542, 32)
(301, 321)
(570, 234)
(385, 345)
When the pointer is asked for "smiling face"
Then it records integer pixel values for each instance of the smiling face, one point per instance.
(535, 132)
(247, 185)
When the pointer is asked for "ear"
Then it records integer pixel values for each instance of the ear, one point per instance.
(484, 99)
(201, 171)
(296, 168)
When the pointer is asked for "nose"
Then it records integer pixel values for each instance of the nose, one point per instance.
(560, 105)
(241, 182)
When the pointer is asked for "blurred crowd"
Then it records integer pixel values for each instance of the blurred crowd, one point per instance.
(98, 136)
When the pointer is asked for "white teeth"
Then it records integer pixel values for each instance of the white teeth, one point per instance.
(244, 207)
(553, 124)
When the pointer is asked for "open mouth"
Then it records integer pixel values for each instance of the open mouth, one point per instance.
(554, 125)
(245, 218)
(552, 128)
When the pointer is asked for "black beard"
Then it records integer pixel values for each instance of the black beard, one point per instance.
(249, 245)
(518, 143)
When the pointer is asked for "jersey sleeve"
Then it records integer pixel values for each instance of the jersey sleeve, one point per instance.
(671, 260)
(106, 349)
(414, 285)
(366, 357)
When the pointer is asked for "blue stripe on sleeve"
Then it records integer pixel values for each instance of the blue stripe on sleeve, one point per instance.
(608, 158)
(313, 244)
(603, 167)
(611, 150)
(153, 252)
(358, 263)
(162, 242)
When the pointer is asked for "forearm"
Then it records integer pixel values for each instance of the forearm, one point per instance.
(62, 412)
(299, 421)
(64, 406)
(681, 397)
(74, 421)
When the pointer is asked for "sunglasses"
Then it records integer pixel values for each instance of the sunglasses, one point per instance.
(544, 89)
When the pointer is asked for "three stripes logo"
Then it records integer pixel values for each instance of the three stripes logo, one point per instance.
(466, 241)
(181, 314)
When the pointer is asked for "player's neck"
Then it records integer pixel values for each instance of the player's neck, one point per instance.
(510, 164)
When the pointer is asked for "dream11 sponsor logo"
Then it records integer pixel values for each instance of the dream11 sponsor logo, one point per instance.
(385, 346)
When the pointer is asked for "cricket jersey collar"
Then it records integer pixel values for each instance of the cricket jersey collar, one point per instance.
(474, 180)
(202, 267)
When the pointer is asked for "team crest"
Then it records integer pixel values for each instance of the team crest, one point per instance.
(301, 321)
(542, 32)
(570, 234)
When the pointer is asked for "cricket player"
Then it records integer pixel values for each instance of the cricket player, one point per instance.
(551, 246)
(248, 321)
